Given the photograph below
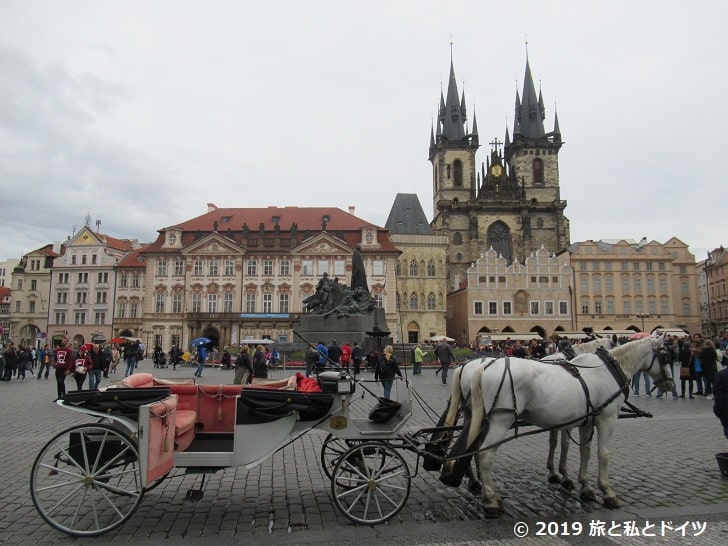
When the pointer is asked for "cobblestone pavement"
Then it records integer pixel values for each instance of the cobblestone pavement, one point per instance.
(663, 470)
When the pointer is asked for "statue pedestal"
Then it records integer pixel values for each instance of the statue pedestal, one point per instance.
(369, 331)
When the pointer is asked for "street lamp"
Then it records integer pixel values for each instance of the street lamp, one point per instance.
(643, 316)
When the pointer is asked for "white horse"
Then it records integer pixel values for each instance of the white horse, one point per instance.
(562, 476)
(500, 391)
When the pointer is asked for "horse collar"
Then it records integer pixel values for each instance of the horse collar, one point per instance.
(615, 369)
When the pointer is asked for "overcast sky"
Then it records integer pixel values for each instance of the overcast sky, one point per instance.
(141, 112)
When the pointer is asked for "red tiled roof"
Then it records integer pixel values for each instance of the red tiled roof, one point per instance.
(4, 292)
(133, 259)
(307, 219)
(47, 250)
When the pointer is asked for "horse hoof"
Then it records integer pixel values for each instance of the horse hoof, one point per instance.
(554, 478)
(493, 512)
(588, 496)
(612, 502)
(567, 484)
(475, 487)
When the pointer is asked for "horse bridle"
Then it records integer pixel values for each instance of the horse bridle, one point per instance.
(662, 355)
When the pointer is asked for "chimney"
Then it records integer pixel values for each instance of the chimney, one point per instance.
(57, 247)
(211, 207)
(352, 209)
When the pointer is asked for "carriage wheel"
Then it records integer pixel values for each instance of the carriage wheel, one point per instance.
(87, 480)
(371, 483)
(333, 448)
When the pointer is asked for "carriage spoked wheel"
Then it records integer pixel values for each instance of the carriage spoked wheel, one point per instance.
(87, 480)
(331, 450)
(370, 483)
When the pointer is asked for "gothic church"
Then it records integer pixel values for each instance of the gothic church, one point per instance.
(513, 203)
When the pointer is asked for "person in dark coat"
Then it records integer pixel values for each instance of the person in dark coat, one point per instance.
(709, 362)
(720, 398)
(386, 369)
(260, 368)
(243, 367)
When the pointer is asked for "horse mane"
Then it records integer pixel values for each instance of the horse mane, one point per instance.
(591, 346)
(628, 355)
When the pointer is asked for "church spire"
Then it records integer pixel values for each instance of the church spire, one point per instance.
(452, 110)
(530, 111)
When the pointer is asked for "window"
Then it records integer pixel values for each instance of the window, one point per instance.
(663, 285)
(636, 266)
(83, 262)
(122, 310)
(661, 266)
(63, 278)
(212, 303)
(637, 284)
(268, 267)
(507, 307)
(608, 266)
(17, 306)
(598, 307)
(102, 277)
(650, 285)
(584, 307)
(492, 307)
(60, 318)
(101, 297)
(457, 167)
(227, 303)
(34, 284)
(625, 284)
(626, 306)
(597, 284)
(457, 239)
(537, 167)
(609, 284)
(563, 308)
(477, 308)
(339, 267)
(323, 267)
(196, 303)
(624, 266)
(82, 278)
(684, 287)
(283, 303)
(179, 268)
(686, 308)
(413, 270)
(62, 297)
(135, 280)
(80, 318)
(73, 260)
(652, 307)
(307, 267)
(162, 268)
(534, 308)
(639, 307)
(413, 301)
(583, 284)
(81, 297)
(159, 303)
(197, 268)
(284, 268)
(133, 309)
(176, 303)
(595, 266)
(649, 266)
(31, 307)
(250, 303)
(431, 302)
(229, 268)
(267, 303)
(431, 268)
(213, 268)
(683, 270)
(378, 267)
(610, 307)
(664, 307)
(100, 317)
(548, 308)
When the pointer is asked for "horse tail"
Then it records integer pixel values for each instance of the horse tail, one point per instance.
(439, 443)
(477, 406)
(455, 398)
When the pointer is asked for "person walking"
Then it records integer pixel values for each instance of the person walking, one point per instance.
(45, 361)
(386, 369)
(688, 359)
(260, 367)
(97, 363)
(243, 367)
(11, 361)
(64, 363)
(175, 354)
(131, 350)
(346, 351)
(334, 353)
(446, 356)
(201, 357)
(311, 359)
(709, 361)
(357, 355)
(25, 362)
(323, 357)
(83, 365)
(419, 356)
(115, 357)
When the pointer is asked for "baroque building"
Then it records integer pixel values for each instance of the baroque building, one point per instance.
(513, 204)
(30, 296)
(716, 281)
(637, 286)
(233, 274)
(421, 273)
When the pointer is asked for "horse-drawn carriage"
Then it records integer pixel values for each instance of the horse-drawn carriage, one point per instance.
(90, 478)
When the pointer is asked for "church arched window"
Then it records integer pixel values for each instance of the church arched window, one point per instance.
(457, 173)
(457, 239)
(499, 238)
(431, 302)
(413, 301)
(537, 167)
(431, 268)
(413, 269)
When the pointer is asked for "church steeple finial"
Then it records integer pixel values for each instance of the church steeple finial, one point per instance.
(453, 114)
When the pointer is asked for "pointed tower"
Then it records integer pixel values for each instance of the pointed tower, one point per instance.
(452, 154)
(533, 160)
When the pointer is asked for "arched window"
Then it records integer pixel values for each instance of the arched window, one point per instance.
(457, 173)
(537, 167)
(413, 268)
(398, 270)
(499, 237)
(399, 301)
(431, 302)
(457, 239)
(413, 301)
(431, 268)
